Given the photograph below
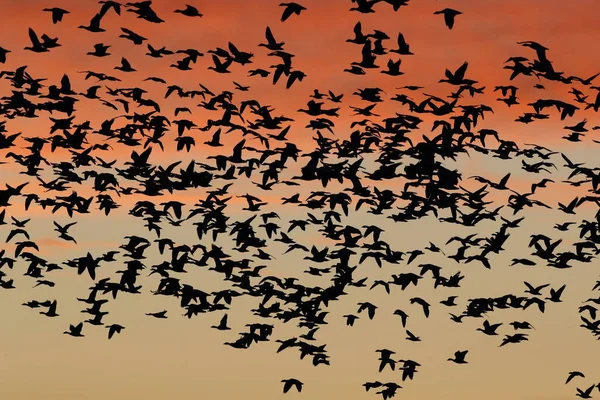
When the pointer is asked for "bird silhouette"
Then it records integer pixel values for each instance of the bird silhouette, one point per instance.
(190, 11)
(459, 357)
(75, 331)
(449, 16)
(290, 9)
(57, 13)
(292, 382)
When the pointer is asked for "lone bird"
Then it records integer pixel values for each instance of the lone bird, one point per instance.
(291, 8)
(57, 14)
(292, 382)
(449, 15)
(75, 331)
(189, 11)
(160, 314)
(459, 357)
(222, 324)
(574, 374)
(114, 328)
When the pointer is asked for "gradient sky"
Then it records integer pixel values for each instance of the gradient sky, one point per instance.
(180, 358)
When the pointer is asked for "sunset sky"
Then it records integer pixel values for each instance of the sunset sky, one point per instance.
(181, 358)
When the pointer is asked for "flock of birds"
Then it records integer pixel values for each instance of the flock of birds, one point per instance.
(382, 167)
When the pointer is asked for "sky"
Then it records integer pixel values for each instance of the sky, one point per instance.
(185, 358)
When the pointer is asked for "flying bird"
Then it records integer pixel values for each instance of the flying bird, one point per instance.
(449, 16)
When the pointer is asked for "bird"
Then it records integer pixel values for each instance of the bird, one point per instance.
(555, 294)
(57, 14)
(63, 231)
(100, 50)
(403, 317)
(51, 311)
(114, 328)
(291, 382)
(190, 11)
(393, 68)
(587, 393)
(94, 25)
(75, 330)
(449, 16)
(125, 66)
(574, 374)
(450, 301)
(36, 45)
(403, 47)
(459, 357)
(535, 290)
(132, 36)
(222, 324)
(159, 315)
(489, 329)
(350, 319)
(412, 337)
(272, 43)
(290, 9)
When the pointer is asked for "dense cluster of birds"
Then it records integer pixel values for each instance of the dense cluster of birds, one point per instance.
(384, 167)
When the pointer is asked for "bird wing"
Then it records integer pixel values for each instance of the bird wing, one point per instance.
(33, 37)
(460, 72)
(269, 36)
